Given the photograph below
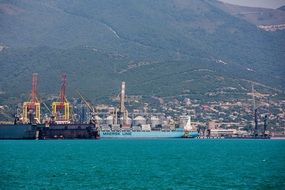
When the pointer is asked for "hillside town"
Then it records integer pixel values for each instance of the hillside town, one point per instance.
(236, 114)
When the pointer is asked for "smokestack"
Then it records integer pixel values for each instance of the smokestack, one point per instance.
(122, 97)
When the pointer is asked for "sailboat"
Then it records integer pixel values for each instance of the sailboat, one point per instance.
(189, 132)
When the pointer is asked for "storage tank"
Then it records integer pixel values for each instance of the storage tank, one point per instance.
(139, 120)
(129, 120)
(116, 127)
(136, 128)
(105, 128)
(98, 119)
(154, 121)
(109, 120)
(146, 127)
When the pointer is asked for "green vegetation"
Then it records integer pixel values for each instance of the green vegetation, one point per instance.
(162, 48)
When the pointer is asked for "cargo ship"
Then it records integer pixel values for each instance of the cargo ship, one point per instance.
(14, 131)
(178, 133)
(119, 125)
(146, 131)
(53, 131)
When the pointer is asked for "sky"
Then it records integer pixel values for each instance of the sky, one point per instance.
(257, 3)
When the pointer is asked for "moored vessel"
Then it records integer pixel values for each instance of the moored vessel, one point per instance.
(17, 131)
(116, 124)
(146, 131)
(178, 133)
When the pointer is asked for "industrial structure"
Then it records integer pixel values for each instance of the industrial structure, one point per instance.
(115, 124)
(94, 115)
(60, 109)
(32, 109)
(257, 131)
(120, 115)
(123, 112)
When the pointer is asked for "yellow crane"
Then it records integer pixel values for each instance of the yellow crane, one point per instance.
(61, 108)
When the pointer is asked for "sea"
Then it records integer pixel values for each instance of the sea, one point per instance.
(142, 164)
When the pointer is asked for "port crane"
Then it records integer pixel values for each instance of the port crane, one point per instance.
(32, 109)
(90, 107)
(60, 109)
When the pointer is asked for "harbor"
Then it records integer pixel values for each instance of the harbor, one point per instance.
(111, 122)
(116, 124)
(142, 95)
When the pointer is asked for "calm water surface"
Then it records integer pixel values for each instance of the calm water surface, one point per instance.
(142, 164)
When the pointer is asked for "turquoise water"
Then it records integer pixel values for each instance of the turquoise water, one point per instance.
(143, 164)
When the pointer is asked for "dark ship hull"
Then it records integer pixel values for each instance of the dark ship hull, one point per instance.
(68, 131)
(54, 131)
(19, 131)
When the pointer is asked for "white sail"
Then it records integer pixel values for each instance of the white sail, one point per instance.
(188, 126)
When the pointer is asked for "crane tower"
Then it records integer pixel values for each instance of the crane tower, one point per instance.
(60, 109)
(32, 109)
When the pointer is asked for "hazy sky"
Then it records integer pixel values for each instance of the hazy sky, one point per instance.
(258, 3)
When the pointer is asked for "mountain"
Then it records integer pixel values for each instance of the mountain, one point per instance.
(162, 47)
(282, 8)
(254, 15)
